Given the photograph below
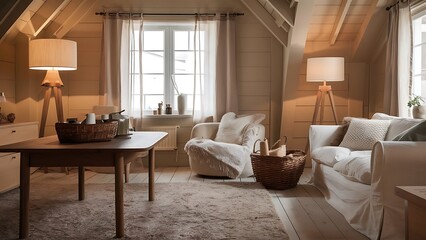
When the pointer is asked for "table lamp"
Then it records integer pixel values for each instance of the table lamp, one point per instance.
(323, 69)
(52, 55)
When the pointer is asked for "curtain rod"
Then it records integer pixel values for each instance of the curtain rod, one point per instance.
(166, 14)
(413, 3)
(391, 6)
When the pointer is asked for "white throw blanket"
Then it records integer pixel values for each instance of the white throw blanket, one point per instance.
(227, 157)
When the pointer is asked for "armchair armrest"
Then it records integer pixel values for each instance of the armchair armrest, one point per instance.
(205, 130)
(322, 135)
(395, 163)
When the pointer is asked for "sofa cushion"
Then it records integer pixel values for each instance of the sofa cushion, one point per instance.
(398, 124)
(362, 134)
(415, 133)
(330, 155)
(355, 168)
(232, 127)
(341, 131)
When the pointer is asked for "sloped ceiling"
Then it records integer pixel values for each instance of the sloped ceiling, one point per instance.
(331, 20)
(10, 12)
(41, 18)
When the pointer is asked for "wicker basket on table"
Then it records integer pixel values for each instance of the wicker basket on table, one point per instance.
(279, 172)
(81, 133)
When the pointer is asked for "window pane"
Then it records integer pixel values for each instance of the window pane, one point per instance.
(153, 40)
(184, 62)
(153, 62)
(153, 84)
(419, 56)
(181, 40)
(151, 101)
(185, 83)
(136, 103)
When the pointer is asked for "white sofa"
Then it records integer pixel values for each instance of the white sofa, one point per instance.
(371, 207)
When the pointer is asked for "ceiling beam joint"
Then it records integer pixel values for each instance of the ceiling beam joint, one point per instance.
(343, 11)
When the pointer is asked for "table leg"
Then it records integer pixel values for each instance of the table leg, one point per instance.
(81, 195)
(24, 195)
(151, 166)
(119, 202)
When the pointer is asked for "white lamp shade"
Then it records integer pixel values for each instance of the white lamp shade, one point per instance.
(331, 69)
(53, 54)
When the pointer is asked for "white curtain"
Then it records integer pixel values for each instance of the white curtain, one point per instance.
(215, 82)
(398, 80)
(226, 77)
(131, 62)
(110, 69)
(205, 45)
(122, 37)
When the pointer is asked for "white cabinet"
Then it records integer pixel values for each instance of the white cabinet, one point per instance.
(10, 162)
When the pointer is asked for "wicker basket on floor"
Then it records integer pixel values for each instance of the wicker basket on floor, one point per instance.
(80, 133)
(279, 172)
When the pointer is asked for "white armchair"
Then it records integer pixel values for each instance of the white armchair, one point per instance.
(228, 154)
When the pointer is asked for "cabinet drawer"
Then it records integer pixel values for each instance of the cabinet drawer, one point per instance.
(9, 172)
(13, 134)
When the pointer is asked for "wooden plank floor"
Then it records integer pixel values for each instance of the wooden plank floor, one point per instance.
(303, 211)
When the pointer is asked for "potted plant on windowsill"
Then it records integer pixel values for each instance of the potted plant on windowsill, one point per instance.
(419, 110)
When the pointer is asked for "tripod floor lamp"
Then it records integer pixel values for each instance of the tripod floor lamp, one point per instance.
(52, 55)
(323, 69)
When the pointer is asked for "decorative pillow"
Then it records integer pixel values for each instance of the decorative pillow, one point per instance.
(342, 131)
(232, 127)
(398, 124)
(355, 168)
(415, 133)
(362, 134)
(330, 155)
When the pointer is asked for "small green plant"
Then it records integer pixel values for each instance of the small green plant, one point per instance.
(415, 101)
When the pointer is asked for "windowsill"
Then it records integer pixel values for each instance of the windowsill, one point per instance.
(168, 116)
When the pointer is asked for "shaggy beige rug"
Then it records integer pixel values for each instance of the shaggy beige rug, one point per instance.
(180, 211)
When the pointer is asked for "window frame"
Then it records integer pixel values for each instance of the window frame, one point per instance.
(169, 95)
(419, 12)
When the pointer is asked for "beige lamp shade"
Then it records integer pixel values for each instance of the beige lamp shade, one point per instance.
(330, 69)
(52, 54)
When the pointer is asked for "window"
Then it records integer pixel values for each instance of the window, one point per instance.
(167, 52)
(419, 54)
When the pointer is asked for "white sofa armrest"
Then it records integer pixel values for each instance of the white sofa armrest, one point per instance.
(393, 164)
(322, 135)
(205, 130)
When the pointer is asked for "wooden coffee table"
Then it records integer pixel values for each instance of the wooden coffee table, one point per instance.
(49, 152)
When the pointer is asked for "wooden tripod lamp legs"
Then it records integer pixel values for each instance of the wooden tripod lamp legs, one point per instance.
(320, 103)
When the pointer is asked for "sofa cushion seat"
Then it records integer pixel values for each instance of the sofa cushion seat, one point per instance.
(356, 167)
(330, 155)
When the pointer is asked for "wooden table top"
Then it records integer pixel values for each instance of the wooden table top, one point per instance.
(140, 141)
(415, 194)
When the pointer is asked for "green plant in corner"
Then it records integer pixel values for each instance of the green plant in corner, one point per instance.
(416, 101)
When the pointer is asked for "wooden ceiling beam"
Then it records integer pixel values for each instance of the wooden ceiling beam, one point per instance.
(11, 11)
(283, 8)
(343, 11)
(267, 20)
(70, 17)
(47, 12)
